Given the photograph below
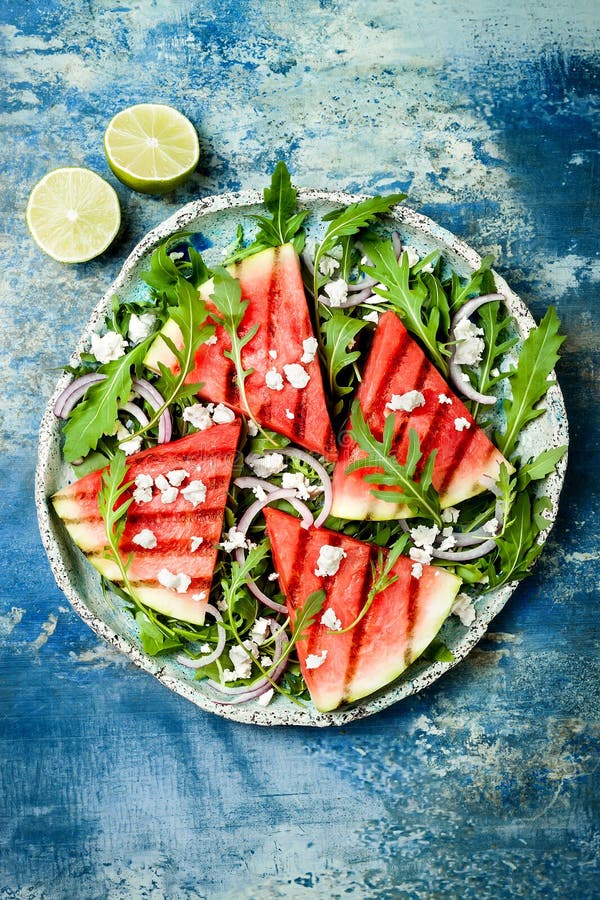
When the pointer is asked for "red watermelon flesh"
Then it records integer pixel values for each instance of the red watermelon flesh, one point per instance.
(208, 457)
(395, 365)
(272, 283)
(399, 625)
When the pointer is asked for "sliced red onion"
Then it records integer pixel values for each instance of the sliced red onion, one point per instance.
(73, 393)
(367, 281)
(321, 472)
(397, 243)
(455, 372)
(480, 541)
(134, 410)
(149, 393)
(243, 693)
(248, 481)
(465, 555)
(210, 657)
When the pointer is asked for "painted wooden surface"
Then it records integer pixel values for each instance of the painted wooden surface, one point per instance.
(485, 785)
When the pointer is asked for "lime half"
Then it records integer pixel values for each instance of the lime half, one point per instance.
(151, 148)
(73, 214)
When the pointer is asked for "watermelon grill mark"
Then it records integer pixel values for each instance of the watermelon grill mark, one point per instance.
(359, 628)
(299, 554)
(420, 380)
(460, 450)
(414, 585)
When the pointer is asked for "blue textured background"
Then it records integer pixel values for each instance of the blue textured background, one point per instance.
(486, 785)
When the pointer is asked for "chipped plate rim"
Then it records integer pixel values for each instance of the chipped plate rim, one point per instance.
(166, 670)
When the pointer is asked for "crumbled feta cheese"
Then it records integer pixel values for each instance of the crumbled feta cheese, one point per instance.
(222, 415)
(289, 414)
(449, 540)
(169, 495)
(265, 466)
(161, 483)
(145, 538)
(450, 514)
(266, 662)
(417, 570)
(197, 599)
(329, 560)
(491, 527)
(465, 378)
(464, 609)
(211, 341)
(260, 630)
(144, 481)
(423, 535)
(222, 605)
(127, 443)
(309, 346)
(420, 554)
(297, 376)
(252, 428)
(108, 347)
(195, 542)
(314, 660)
(177, 476)
(413, 256)
(143, 488)
(330, 620)
(495, 373)
(252, 647)
(428, 267)
(242, 663)
(265, 698)
(172, 582)
(298, 482)
(198, 415)
(175, 255)
(337, 292)
(194, 492)
(406, 402)
(443, 398)
(470, 345)
(235, 540)
(461, 423)
(373, 316)
(140, 327)
(328, 265)
(273, 354)
(274, 380)
(273, 576)
(204, 648)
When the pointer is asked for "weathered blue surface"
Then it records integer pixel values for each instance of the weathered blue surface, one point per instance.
(486, 785)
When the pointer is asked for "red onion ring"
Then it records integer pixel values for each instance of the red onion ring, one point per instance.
(210, 657)
(243, 693)
(321, 472)
(465, 555)
(137, 413)
(482, 542)
(455, 372)
(397, 243)
(74, 392)
(149, 393)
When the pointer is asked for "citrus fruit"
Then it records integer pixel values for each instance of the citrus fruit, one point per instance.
(151, 148)
(73, 214)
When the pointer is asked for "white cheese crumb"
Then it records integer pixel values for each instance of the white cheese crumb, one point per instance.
(198, 416)
(329, 560)
(211, 340)
(420, 554)
(328, 265)
(443, 398)
(145, 538)
(194, 492)
(222, 415)
(461, 423)
(144, 481)
(195, 543)
(337, 291)
(273, 354)
(198, 598)
(406, 402)
(260, 630)
(175, 255)
(252, 428)
(172, 582)
(204, 648)
(423, 535)
(266, 662)
(491, 527)
(330, 620)
(417, 570)
(495, 373)
(222, 605)
(274, 380)
(464, 609)
(449, 540)
(470, 345)
(273, 576)
(373, 316)
(177, 476)
(309, 346)
(143, 488)
(169, 495)
(265, 466)
(265, 698)
(450, 514)
(108, 347)
(314, 660)
(235, 540)
(242, 663)
(140, 327)
(289, 414)
(297, 376)
(259, 492)
(413, 256)
(161, 483)
(127, 443)
(298, 482)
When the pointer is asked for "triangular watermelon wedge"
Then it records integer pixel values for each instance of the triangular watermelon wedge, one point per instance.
(207, 457)
(399, 625)
(272, 283)
(396, 365)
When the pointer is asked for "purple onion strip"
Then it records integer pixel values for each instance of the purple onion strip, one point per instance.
(455, 372)
(149, 393)
(321, 472)
(74, 392)
(211, 657)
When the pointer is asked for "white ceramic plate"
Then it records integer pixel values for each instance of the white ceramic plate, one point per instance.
(215, 220)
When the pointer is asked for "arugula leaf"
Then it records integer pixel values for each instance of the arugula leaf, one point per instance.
(165, 273)
(306, 615)
(419, 496)
(412, 303)
(381, 579)
(517, 546)
(340, 331)
(529, 381)
(285, 224)
(97, 412)
(349, 221)
(153, 638)
(480, 282)
(541, 466)
(113, 486)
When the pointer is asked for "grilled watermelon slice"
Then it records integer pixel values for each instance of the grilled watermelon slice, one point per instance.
(205, 456)
(272, 283)
(399, 625)
(395, 365)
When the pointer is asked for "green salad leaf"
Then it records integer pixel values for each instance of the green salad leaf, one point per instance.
(339, 335)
